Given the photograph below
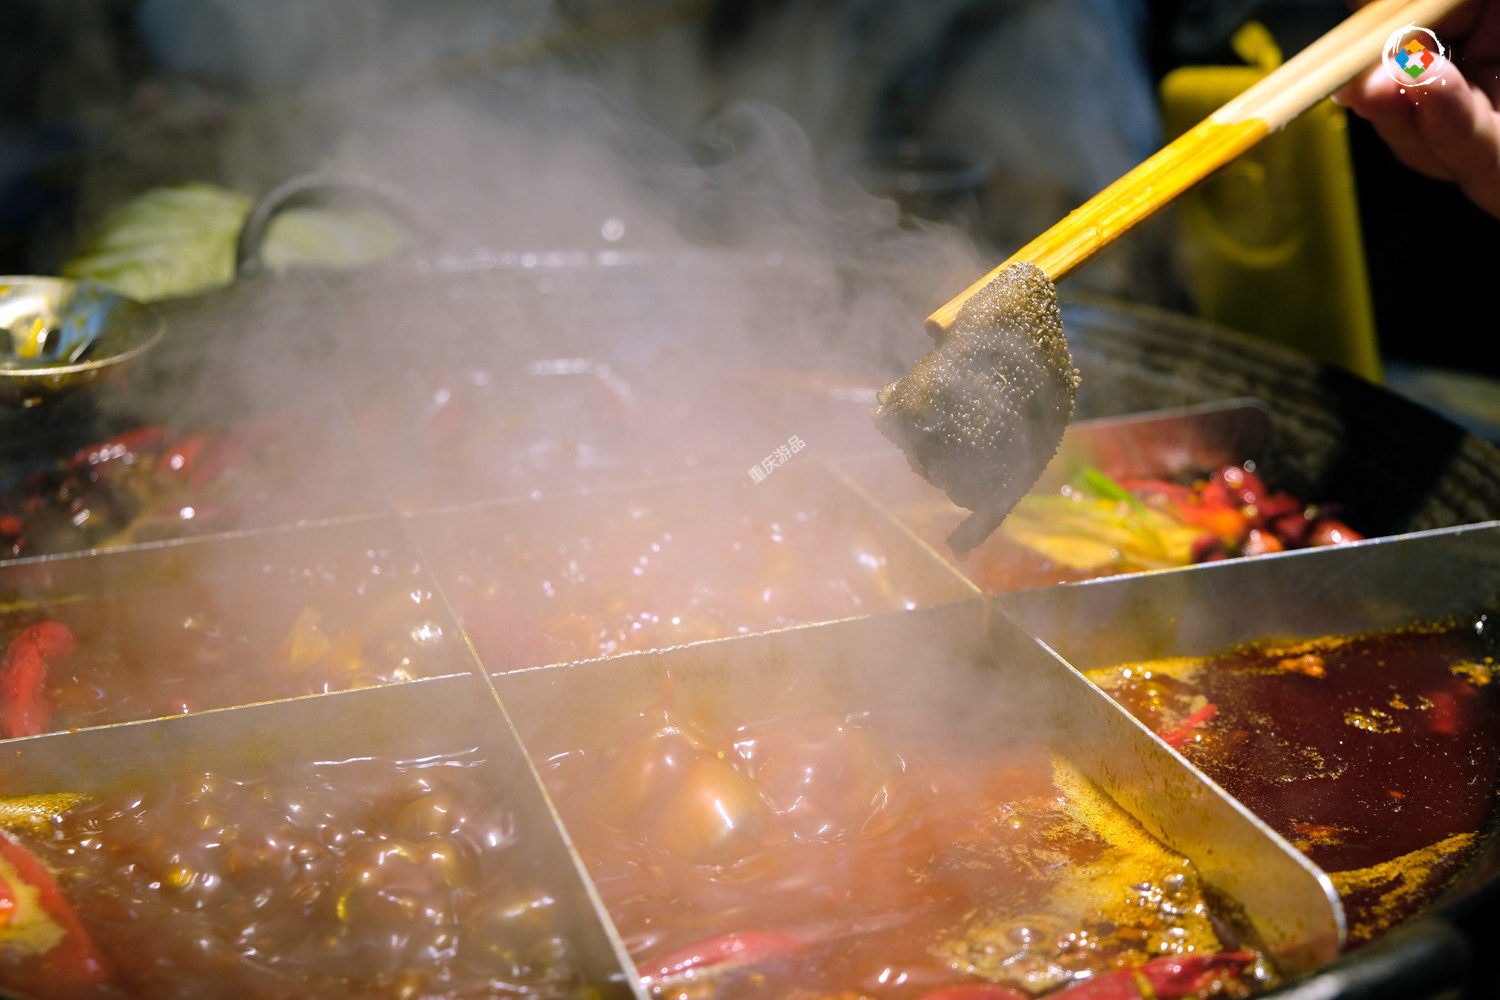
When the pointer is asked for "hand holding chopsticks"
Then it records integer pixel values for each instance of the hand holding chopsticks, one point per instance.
(1314, 73)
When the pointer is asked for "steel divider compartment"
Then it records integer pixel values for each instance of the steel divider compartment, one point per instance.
(1292, 904)
(1159, 444)
(173, 454)
(1366, 586)
(454, 717)
(954, 669)
(1414, 470)
(167, 628)
(565, 579)
(1449, 575)
(1154, 443)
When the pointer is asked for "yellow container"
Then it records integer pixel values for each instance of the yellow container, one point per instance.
(1272, 242)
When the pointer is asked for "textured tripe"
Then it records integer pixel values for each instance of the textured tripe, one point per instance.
(983, 413)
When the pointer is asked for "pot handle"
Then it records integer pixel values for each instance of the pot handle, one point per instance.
(315, 188)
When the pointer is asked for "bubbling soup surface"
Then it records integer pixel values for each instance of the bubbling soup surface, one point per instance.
(366, 878)
(821, 855)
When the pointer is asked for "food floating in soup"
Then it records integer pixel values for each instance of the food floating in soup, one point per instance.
(982, 414)
(286, 627)
(154, 483)
(368, 878)
(662, 570)
(1095, 526)
(822, 855)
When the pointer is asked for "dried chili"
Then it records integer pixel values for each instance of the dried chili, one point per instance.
(25, 704)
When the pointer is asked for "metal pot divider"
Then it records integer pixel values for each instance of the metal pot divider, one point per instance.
(1324, 435)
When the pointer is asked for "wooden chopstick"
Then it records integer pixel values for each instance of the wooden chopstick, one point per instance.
(1304, 80)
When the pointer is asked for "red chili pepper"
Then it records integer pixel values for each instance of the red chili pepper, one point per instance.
(1291, 528)
(71, 966)
(1444, 712)
(1278, 505)
(1259, 543)
(1209, 548)
(725, 950)
(1332, 532)
(1161, 978)
(8, 902)
(124, 448)
(1179, 736)
(1216, 494)
(178, 463)
(1244, 486)
(977, 991)
(25, 707)
(1217, 513)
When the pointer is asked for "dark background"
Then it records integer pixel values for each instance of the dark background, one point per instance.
(87, 118)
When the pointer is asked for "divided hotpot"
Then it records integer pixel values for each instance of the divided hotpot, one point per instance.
(1318, 433)
(1004, 668)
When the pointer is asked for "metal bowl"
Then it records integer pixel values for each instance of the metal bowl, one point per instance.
(62, 336)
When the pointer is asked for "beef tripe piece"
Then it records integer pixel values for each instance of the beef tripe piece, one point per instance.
(982, 414)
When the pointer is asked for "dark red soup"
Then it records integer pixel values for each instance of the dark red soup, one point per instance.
(1378, 755)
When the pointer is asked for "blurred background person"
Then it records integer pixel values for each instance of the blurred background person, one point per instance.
(997, 116)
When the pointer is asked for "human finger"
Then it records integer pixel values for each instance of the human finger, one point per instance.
(1448, 130)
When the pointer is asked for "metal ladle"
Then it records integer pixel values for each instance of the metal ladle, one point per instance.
(61, 336)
